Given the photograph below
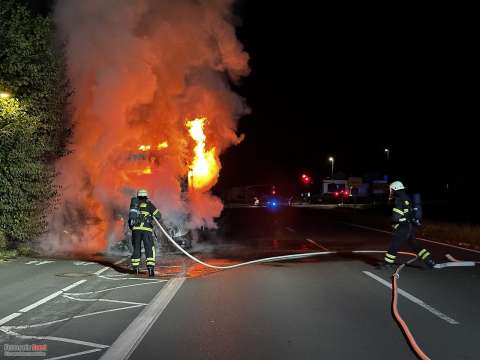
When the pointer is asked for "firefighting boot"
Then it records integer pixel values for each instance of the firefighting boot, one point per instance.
(136, 270)
(151, 270)
(429, 262)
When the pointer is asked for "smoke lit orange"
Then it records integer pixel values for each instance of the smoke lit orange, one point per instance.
(204, 167)
(130, 110)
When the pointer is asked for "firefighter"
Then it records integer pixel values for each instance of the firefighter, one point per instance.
(140, 221)
(405, 219)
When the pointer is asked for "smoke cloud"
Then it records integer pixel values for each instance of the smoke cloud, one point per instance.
(139, 70)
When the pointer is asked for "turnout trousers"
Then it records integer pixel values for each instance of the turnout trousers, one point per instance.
(145, 237)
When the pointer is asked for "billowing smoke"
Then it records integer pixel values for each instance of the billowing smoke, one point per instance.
(140, 69)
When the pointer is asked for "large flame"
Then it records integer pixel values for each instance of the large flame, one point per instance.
(204, 167)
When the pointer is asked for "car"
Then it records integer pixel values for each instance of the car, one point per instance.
(180, 234)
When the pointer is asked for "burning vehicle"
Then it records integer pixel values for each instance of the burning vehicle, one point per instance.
(153, 106)
(146, 160)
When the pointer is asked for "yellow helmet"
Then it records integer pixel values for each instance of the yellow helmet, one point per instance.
(142, 193)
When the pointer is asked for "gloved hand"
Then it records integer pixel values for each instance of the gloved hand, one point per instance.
(131, 223)
(417, 222)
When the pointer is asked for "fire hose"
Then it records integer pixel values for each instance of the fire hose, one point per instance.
(262, 260)
(403, 325)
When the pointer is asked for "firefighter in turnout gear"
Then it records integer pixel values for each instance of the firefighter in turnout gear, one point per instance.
(140, 221)
(406, 218)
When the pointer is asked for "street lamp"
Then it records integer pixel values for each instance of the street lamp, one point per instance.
(332, 160)
(387, 153)
(4, 95)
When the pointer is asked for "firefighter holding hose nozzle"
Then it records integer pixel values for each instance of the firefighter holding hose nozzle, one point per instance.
(140, 221)
(406, 218)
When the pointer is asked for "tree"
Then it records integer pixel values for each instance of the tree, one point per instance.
(33, 126)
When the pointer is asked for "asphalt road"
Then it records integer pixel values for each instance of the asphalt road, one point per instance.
(329, 306)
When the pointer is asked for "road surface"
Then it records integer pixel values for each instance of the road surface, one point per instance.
(329, 306)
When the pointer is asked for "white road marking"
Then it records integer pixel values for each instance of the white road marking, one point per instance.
(70, 318)
(317, 244)
(418, 238)
(83, 263)
(44, 262)
(289, 229)
(74, 354)
(9, 317)
(131, 337)
(414, 299)
(101, 271)
(117, 275)
(40, 302)
(50, 297)
(450, 257)
(114, 288)
(107, 277)
(454, 264)
(105, 300)
(106, 311)
(31, 262)
(54, 338)
(74, 285)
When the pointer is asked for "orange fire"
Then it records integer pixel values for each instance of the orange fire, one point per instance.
(130, 110)
(204, 167)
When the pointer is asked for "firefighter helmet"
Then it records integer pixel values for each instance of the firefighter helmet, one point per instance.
(142, 193)
(396, 185)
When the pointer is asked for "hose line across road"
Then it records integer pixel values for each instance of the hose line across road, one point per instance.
(403, 325)
(394, 280)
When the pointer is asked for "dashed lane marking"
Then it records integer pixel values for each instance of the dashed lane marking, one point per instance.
(414, 299)
(418, 238)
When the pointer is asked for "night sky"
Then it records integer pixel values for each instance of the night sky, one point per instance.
(350, 81)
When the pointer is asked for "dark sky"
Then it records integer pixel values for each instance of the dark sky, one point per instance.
(349, 82)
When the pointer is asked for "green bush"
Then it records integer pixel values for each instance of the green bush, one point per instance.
(33, 126)
(3, 241)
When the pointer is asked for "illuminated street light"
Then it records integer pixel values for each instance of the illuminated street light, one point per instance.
(387, 153)
(332, 160)
(4, 95)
